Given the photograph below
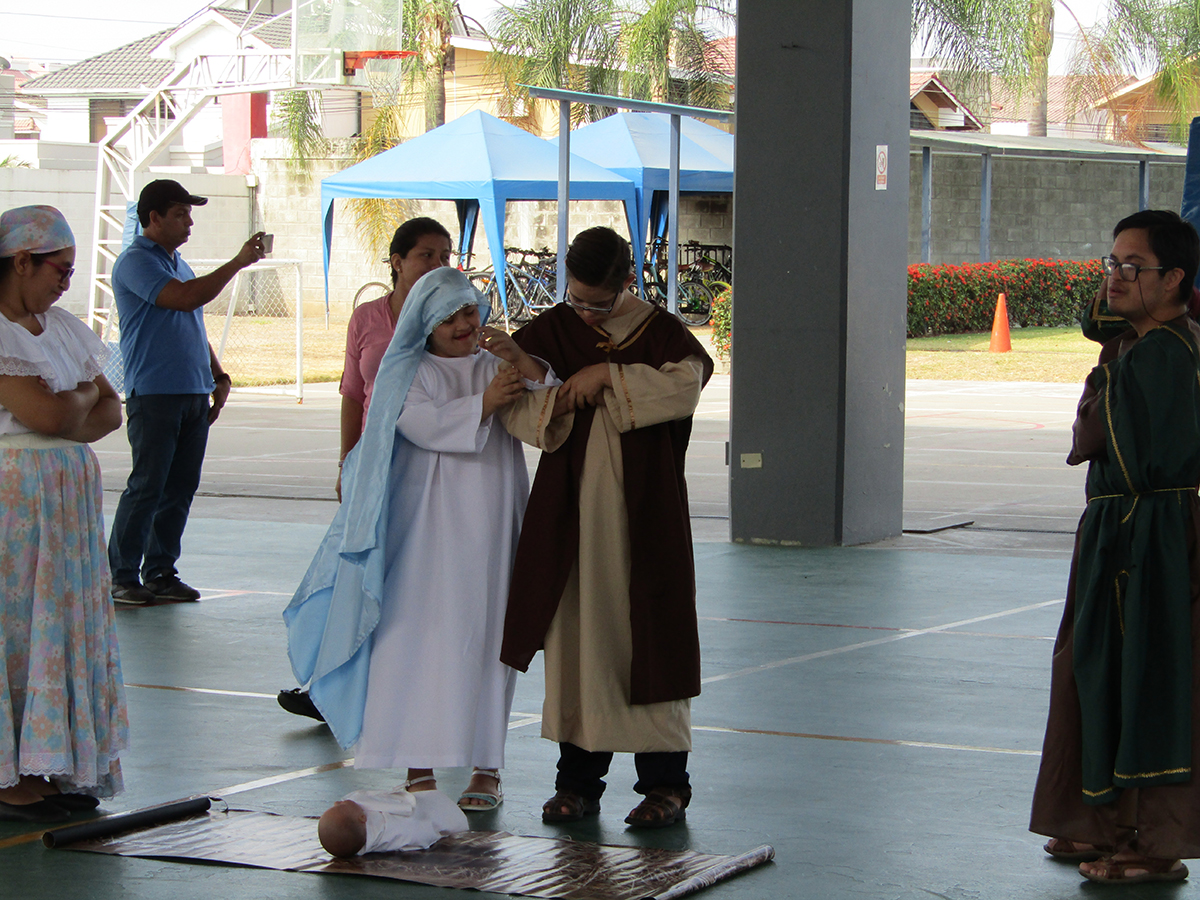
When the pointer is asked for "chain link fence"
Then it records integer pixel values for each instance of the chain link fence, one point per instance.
(255, 325)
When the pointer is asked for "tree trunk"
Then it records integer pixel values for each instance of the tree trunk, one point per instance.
(1041, 41)
(435, 47)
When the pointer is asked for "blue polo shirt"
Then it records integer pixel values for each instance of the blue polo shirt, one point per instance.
(165, 350)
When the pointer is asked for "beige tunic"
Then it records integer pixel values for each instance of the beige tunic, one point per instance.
(589, 646)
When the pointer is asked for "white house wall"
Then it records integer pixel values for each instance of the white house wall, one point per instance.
(67, 119)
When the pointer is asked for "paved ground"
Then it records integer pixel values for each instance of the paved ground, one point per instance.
(874, 713)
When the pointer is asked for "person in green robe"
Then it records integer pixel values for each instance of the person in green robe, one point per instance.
(1116, 789)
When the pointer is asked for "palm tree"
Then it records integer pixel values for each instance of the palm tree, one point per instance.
(568, 44)
(666, 41)
(639, 49)
(1158, 35)
(1011, 39)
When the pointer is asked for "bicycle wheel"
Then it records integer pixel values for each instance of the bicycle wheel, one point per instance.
(540, 297)
(486, 285)
(695, 303)
(370, 291)
(518, 311)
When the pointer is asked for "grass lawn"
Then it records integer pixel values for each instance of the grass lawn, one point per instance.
(1038, 354)
(261, 350)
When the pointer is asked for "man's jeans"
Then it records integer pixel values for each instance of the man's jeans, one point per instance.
(167, 434)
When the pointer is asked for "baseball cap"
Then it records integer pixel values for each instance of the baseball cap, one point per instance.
(163, 192)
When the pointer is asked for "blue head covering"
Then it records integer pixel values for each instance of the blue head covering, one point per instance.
(336, 608)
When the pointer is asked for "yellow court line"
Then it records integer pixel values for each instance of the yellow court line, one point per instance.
(22, 839)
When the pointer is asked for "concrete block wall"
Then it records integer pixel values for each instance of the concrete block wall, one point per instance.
(1041, 208)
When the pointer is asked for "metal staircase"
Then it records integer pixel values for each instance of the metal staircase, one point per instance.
(143, 136)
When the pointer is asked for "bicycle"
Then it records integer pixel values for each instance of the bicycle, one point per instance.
(370, 291)
(529, 287)
(694, 297)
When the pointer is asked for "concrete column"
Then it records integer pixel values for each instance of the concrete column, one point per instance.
(817, 424)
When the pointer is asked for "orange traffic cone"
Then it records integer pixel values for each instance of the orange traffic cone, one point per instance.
(1000, 340)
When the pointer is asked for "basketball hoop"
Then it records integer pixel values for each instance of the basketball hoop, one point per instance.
(353, 60)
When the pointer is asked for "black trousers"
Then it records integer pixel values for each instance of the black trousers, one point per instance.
(582, 771)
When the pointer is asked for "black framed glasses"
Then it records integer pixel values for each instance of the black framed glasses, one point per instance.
(1126, 271)
(573, 302)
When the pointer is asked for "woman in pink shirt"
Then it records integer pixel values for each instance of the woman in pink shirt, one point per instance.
(420, 245)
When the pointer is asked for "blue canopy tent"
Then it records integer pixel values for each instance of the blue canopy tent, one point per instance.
(637, 145)
(480, 162)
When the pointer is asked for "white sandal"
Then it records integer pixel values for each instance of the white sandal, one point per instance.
(422, 780)
(490, 800)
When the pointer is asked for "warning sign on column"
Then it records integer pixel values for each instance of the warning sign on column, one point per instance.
(881, 167)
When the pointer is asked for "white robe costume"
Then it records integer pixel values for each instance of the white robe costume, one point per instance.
(437, 693)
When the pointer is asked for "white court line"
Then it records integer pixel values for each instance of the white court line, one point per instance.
(924, 745)
(821, 654)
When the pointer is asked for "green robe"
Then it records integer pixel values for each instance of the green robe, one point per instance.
(1132, 628)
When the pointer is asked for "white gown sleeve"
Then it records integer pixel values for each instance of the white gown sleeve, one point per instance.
(439, 425)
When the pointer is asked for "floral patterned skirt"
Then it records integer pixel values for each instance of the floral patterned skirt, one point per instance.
(62, 699)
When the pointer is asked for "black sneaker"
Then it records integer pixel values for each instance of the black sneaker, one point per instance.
(131, 593)
(169, 587)
(298, 703)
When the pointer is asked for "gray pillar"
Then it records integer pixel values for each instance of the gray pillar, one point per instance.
(817, 419)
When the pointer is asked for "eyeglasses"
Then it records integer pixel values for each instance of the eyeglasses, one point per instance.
(1126, 271)
(571, 301)
(64, 272)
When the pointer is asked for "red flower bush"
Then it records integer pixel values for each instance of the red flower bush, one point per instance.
(960, 299)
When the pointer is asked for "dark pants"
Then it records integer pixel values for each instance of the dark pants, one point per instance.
(167, 434)
(582, 771)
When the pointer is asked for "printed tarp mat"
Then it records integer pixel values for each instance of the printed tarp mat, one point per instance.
(483, 860)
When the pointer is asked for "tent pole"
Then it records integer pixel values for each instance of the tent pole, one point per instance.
(564, 190)
(673, 224)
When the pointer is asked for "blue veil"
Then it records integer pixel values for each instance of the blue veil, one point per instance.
(336, 607)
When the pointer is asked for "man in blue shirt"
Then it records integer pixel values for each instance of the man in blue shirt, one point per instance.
(174, 389)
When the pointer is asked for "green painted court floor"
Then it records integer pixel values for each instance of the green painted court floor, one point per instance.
(873, 713)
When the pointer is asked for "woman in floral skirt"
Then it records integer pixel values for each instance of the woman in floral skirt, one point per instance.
(62, 702)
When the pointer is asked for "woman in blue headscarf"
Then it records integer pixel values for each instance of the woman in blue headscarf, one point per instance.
(396, 626)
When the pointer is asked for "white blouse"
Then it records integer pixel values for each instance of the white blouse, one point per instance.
(64, 354)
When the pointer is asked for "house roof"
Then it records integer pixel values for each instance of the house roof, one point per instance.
(928, 82)
(132, 69)
(127, 69)
(723, 54)
(1066, 97)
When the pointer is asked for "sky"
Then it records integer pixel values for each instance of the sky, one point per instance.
(75, 29)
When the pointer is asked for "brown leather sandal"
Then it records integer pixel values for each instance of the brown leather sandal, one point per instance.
(660, 808)
(1149, 868)
(1066, 849)
(568, 806)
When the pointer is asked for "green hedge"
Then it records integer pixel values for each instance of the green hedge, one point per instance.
(960, 299)
(722, 308)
